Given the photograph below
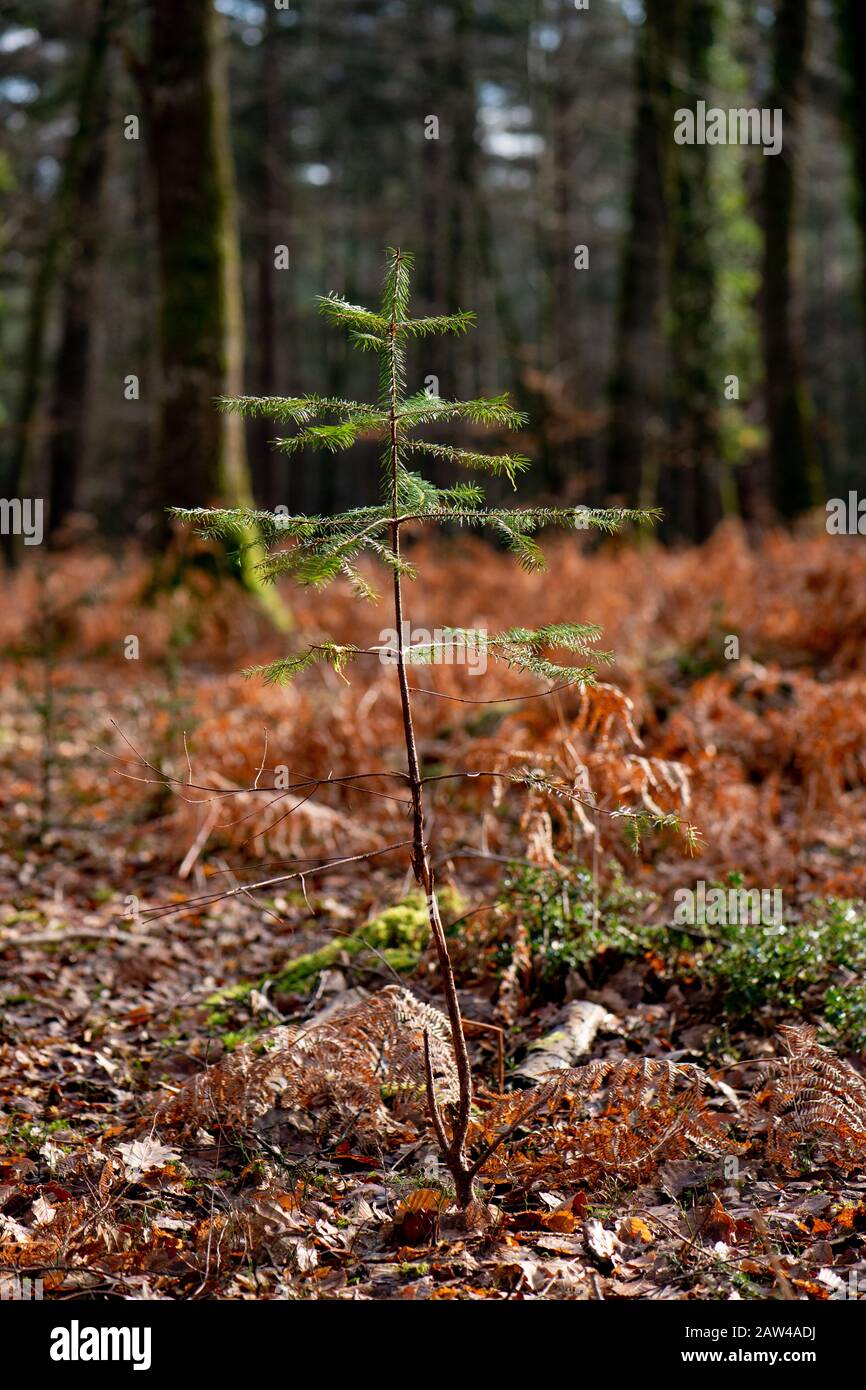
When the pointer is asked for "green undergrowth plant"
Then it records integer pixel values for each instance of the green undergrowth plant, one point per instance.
(844, 1015)
(811, 968)
(316, 550)
(568, 926)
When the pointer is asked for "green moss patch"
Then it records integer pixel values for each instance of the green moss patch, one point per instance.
(396, 938)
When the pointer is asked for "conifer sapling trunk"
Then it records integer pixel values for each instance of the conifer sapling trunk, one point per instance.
(316, 550)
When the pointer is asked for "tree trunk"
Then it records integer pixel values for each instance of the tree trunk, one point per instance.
(68, 417)
(794, 480)
(852, 23)
(71, 213)
(200, 456)
(264, 469)
(558, 348)
(463, 117)
(690, 489)
(638, 338)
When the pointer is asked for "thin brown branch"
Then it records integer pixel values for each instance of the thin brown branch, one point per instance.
(207, 899)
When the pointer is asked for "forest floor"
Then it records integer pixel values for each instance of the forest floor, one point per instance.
(693, 1150)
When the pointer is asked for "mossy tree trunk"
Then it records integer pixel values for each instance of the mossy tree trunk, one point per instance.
(201, 455)
(794, 478)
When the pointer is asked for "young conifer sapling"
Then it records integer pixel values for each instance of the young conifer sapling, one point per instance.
(315, 550)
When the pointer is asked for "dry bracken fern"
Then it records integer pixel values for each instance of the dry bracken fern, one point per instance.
(616, 1118)
(812, 1096)
(364, 1065)
(361, 1073)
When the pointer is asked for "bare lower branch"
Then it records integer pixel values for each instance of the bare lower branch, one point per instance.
(207, 899)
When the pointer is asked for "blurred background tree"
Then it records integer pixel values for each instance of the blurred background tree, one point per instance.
(524, 150)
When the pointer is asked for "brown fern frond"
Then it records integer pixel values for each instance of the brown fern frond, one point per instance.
(361, 1072)
(811, 1096)
(651, 1110)
(602, 707)
(364, 1065)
